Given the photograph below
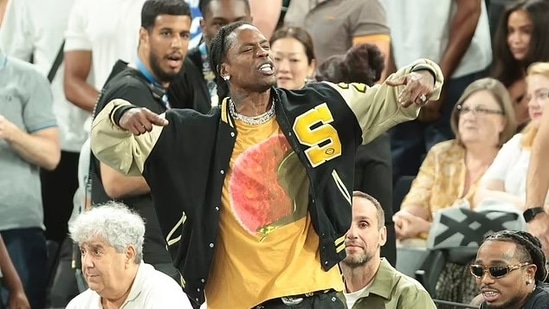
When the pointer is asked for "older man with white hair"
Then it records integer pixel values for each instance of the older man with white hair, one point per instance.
(110, 237)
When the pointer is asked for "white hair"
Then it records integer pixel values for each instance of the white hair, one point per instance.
(114, 224)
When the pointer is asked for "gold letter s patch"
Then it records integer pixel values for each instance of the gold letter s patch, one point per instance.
(313, 129)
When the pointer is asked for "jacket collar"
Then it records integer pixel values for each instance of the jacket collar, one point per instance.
(384, 281)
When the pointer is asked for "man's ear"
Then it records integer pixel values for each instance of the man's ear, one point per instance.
(143, 35)
(130, 255)
(224, 70)
(382, 236)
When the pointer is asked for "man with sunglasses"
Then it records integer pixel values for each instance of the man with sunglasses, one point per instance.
(510, 270)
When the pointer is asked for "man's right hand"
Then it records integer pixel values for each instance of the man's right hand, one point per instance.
(539, 227)
(140, 120)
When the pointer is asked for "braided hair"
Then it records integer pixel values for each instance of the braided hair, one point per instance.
(529, 247)
(219, 46)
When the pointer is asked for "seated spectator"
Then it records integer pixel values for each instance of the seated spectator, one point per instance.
(522, 38)
(505, 180)
(294, 57)
(110, 238)
(10, 278)
(510, 269)
(370, 281)
(364, 64)
(482, 121)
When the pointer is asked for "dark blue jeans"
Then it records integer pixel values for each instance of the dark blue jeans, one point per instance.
(411, 140)
(27, 250)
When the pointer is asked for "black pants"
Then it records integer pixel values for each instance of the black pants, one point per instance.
(318, 301)
(58, 187)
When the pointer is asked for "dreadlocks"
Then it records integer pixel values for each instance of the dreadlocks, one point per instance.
(218, 49)
(529, 249)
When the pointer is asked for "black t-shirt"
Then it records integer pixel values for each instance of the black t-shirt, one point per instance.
(539, 299)
(129, 84)
(189, 89)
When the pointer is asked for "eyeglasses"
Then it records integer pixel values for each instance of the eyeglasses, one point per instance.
(495, 272)
(477, 110)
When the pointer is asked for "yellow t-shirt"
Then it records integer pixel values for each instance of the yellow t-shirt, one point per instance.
(267, 247)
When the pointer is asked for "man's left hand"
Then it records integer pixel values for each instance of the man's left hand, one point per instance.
(419, 86)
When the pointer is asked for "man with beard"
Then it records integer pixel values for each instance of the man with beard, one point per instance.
(370, 281)
(163, 41)
(510, 270)
(195, 87)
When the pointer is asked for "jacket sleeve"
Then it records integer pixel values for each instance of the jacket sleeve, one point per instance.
(119, 148)
(377, 108)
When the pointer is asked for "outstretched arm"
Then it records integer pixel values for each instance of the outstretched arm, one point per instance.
(123, 136)
(396, 100)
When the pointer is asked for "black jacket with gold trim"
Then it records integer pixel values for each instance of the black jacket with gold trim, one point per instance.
(185, 162)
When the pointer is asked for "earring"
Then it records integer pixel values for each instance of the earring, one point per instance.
(226, 78)
(528, 281)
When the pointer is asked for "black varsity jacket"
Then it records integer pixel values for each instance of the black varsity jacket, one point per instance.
(186, 161)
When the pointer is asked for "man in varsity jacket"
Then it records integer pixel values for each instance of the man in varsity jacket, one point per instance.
(249, 196)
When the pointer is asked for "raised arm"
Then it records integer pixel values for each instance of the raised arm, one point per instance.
(396, 100)
(537, 183)
(123, 136)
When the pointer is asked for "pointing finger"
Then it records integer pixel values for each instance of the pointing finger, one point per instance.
(156, 119)
(396, 82)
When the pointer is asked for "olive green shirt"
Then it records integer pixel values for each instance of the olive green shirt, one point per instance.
(392, 290)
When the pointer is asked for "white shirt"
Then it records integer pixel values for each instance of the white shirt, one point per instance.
(511, 167)
(36, 29)
(421, 29)
(351, 298)
(107, 28)
(151, 289)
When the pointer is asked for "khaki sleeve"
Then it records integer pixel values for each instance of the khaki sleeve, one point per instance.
(377, 108)
(119, 148)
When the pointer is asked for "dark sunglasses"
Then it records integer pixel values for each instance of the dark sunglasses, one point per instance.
(495, 272)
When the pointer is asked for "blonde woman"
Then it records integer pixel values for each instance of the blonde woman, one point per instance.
(482, 121)
(505, 180)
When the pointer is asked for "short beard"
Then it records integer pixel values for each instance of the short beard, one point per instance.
(510, 304)
(353, 262)
(157, 71)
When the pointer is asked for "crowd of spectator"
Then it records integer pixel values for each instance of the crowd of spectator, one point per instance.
(186, 154)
